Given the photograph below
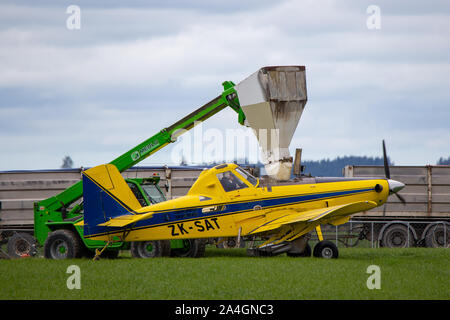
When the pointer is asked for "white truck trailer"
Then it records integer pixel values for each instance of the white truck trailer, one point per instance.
(423, 220)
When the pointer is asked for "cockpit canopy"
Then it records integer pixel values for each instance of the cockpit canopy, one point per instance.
(224, 177)
(230, 181)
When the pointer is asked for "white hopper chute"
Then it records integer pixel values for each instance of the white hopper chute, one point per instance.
(273, 99)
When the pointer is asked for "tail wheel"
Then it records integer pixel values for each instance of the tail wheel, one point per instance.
(63, 244)
(397, 236)
(193, 248)
(438, 236)
(150, 249)
(21, 245)
(326, 249)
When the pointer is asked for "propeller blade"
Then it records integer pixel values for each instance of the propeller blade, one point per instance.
(387, 173)
(401, 198)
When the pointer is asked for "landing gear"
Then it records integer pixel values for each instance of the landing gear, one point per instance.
(297, 248)
(326, 249)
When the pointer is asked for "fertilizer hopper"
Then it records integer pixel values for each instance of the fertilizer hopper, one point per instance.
(273, 99)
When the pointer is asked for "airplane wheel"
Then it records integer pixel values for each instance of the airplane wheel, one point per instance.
(193, 248)
(326, 249)
(150, 249)
(305, 253)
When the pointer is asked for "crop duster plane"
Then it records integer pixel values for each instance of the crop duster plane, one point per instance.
(227, 201)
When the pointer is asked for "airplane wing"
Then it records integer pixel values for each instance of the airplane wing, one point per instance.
(334, 215)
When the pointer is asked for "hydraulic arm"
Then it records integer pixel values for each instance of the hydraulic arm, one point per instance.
(56, 207)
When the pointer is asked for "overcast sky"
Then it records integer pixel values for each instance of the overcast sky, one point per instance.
(135, 67)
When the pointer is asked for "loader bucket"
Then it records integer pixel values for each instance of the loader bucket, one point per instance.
(273, 99)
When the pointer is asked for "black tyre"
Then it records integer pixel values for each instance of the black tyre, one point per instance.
(437, 236)
(326, 249)
(397, 236)
(21, 245)
(63, 244)
(150, 249)
(230, 243)
(193, 248)
(110, 254)
(306, 253)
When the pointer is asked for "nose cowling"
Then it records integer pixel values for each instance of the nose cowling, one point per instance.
(395, 186)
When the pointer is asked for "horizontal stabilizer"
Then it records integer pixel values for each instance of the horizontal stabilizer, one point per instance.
(125, 220)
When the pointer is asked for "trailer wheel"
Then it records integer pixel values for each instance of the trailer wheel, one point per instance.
(63, 244)
(397, 236)
(438, 236)
(193, 248)
(326, 249)
(150, 249)
(21, 245)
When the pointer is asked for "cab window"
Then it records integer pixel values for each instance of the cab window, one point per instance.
(230, 181)
(137, 193)
(153, 193)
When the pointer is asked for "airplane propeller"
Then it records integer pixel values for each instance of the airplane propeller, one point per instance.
(394, 186)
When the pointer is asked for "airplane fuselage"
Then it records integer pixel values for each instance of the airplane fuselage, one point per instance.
(242, 212)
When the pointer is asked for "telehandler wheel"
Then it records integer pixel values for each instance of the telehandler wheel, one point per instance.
(150, 249)
(63, 244)
(326, 249)
(21, 245)
(193, 248)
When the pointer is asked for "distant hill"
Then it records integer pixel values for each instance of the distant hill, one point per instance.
(443, 161)
(333, 168)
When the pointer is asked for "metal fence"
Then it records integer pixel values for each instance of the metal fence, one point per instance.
(391, 234)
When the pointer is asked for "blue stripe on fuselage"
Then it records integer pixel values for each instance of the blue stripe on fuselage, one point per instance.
(170, 217)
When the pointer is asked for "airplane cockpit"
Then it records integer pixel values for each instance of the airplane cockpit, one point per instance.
(231, 182)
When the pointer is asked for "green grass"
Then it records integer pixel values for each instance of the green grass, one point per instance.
(415, 273)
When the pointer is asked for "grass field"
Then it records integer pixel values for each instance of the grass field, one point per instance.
(413, 273)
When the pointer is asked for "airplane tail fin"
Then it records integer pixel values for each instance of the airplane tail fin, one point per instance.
(106, 196)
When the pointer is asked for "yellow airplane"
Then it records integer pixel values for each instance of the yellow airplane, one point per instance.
(227, 201)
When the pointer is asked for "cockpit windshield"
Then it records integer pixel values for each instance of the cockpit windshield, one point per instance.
(230, 182)
(247, 176)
